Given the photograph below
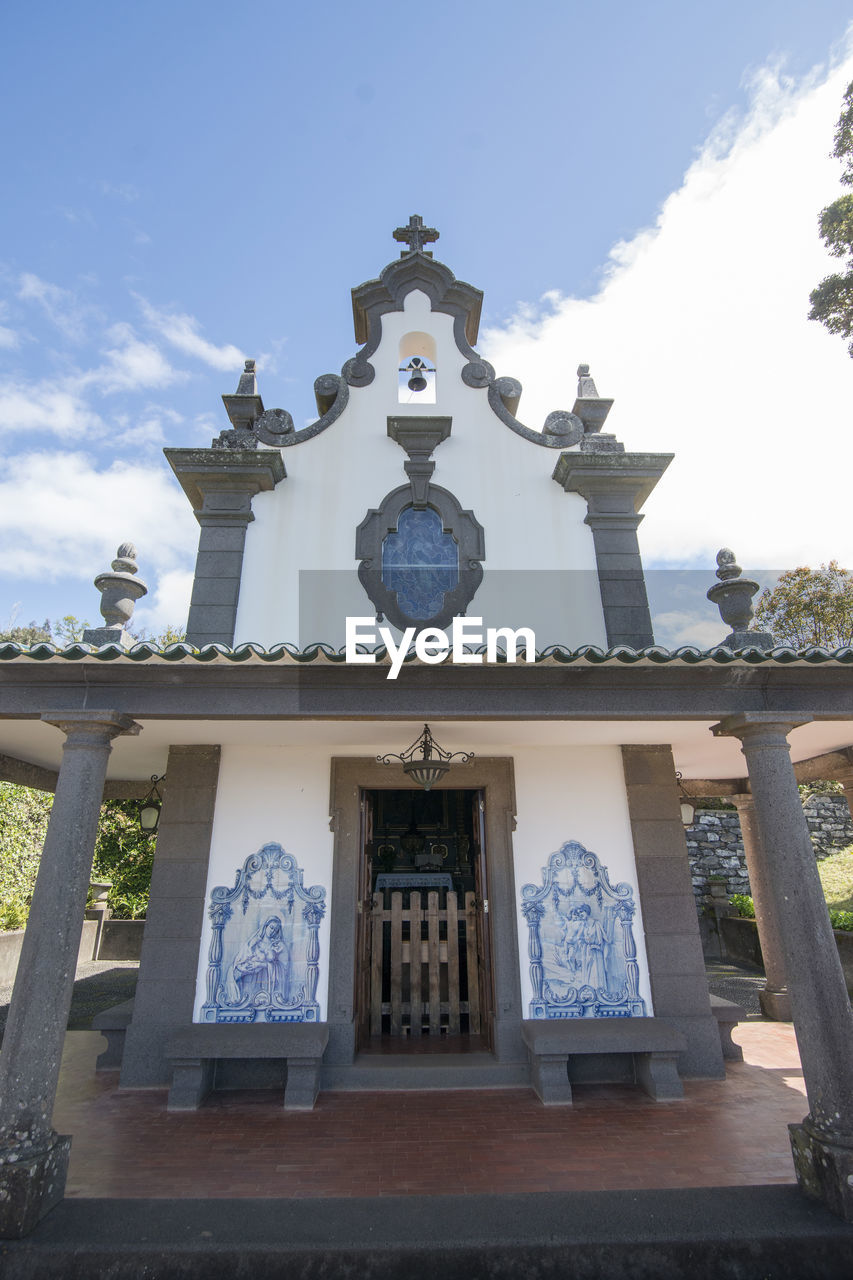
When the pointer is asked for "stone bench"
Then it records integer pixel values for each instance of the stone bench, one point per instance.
(728, 1015)
(654, 1046)
(194, 1052)
(113, 1024)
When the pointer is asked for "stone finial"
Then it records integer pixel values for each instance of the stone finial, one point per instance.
(248, 384)
(592, 409)
(727, 566)
(587, 389)
(733, 597)
(120, 591)
(415, 235)
(243, 408)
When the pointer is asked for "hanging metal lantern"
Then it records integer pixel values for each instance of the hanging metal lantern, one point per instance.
(431, 765)
(149, 808)
(688, 808)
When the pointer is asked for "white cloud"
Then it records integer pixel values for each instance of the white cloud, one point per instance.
(9, 340)
(168, 605)
(147, 432)
(59, 305)
(45, 408)
(182, 332)
(131, 364)
(701, 627)
(700, 333)
(59, 405)
(47, 530)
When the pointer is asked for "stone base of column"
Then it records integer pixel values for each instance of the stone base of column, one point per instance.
(824, 1169)
(30, 1188)
(776, 1004)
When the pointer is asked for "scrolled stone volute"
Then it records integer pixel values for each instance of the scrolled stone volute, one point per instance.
(273, 425)
(565, 426)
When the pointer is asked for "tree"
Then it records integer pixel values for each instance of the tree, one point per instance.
(65, 631)
(124, 854)
(69, 630)
(832, 300)
(23, 824)
(32, 634)
(809, 607)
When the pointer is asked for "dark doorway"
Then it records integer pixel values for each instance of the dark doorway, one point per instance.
(423, 981)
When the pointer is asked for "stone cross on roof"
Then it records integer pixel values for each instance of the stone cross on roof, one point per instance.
(416, 235)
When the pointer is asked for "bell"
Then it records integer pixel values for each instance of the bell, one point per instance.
(417, 382)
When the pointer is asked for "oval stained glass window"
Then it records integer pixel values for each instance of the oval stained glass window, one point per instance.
(420, 562)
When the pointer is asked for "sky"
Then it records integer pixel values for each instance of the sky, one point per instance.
(636, 186)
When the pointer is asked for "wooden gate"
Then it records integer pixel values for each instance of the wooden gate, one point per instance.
(423, 960)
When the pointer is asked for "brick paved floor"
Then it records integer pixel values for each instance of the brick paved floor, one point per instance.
(725, 1133)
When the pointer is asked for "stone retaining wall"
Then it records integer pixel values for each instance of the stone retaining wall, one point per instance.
(12, 941)
(740, 939)
(715, 847)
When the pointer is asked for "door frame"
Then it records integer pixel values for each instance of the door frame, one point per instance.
(495, 777)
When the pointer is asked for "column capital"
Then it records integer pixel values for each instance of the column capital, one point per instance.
(221, 483)
(618, 483)
(760, 727)
(100, 725)
(742, 799)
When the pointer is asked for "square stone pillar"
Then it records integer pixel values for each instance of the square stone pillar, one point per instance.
(673, 943)
(823, 1021)
(220, 484)
(165, 991)
(33, 1158)
(615, 486)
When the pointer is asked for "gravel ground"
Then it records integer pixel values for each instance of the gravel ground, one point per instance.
(740, 983)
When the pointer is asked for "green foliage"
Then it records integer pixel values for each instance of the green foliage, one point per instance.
(820, 787)
(836, 876)
(13, 915)
(69, 630)
(124, 855)
(32, 634)
(169, 635)
(742, 904)
(809, 607)
(23, 823)
(832, 300)
(128, 906)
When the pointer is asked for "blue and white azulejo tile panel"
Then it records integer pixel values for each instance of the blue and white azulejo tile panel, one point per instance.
(264, 956)
(581, 948)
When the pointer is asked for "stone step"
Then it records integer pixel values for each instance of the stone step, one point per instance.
(414, 1071)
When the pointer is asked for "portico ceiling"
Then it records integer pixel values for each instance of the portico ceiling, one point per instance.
(697, 753)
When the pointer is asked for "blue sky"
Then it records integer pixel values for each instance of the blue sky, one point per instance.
(194, 182)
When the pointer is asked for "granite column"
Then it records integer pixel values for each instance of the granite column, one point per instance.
(33, 1158)
(773, 998)
(823, 1021)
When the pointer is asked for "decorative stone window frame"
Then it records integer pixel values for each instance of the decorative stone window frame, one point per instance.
(460, 523)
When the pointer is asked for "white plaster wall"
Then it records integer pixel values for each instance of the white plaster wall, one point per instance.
(308, 522)
(271, 795)
(573, 793)
(281, 794)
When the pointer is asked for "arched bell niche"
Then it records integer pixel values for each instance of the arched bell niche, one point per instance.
(416, 364)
